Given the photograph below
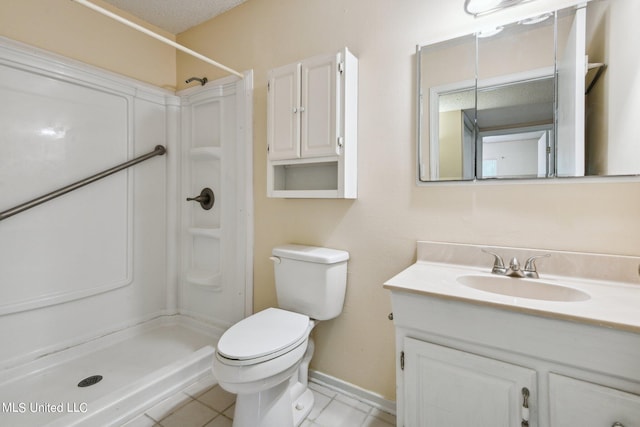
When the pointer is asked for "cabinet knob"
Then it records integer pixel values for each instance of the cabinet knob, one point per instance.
(295, 110)
(617, 424)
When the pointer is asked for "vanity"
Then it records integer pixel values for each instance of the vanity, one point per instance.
(476, 348)
(522, 98)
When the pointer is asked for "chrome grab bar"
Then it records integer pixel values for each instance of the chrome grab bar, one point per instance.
(158, 151)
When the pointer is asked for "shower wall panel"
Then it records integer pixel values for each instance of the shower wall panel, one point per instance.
(93, 260)
(56, 132)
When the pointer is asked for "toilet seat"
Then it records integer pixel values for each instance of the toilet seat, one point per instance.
(263, 336)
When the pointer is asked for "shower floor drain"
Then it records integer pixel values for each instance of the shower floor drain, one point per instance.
(89, 381)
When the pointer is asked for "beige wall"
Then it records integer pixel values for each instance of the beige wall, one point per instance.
(380, 228)
(72, 30)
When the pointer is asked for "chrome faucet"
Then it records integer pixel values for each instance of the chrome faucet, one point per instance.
(514, 269)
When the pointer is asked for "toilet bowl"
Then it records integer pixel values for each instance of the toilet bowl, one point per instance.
(264, 359)
(258, 359)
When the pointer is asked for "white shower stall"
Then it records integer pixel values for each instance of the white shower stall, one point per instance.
(122, 282)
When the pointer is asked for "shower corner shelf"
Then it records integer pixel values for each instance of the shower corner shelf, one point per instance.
(210, 280)
(205, 152)
(210, 232)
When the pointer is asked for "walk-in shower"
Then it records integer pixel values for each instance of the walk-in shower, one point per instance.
(113, 294)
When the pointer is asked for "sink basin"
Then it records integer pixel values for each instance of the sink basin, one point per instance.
(523, 288)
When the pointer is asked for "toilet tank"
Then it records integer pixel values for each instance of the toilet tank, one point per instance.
(310, 280)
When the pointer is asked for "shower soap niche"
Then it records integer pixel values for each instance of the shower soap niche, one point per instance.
(312, 111)
(209, 280)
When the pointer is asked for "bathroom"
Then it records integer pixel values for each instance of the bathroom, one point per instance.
(380, 228)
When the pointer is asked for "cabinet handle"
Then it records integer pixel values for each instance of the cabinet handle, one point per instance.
(295, 110)
(302, 109)
(525, 407)
(617, 424)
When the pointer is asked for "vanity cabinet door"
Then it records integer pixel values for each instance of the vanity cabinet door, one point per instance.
(447, 387)
(579, 403)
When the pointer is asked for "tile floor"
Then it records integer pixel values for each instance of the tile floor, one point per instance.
(205, 404)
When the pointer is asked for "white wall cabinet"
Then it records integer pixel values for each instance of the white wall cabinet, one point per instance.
(462, 364)
(312, 128)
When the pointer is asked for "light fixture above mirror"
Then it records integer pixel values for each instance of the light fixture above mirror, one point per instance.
(480, 7)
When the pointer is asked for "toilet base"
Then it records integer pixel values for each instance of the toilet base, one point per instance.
(302, 407)
(276, 407)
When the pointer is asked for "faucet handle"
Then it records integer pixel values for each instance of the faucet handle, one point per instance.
(498, 264)
(530, 266)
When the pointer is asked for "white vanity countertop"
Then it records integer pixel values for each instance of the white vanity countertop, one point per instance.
(612, 304)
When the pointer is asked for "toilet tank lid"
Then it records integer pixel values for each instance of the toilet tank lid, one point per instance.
(311, 254)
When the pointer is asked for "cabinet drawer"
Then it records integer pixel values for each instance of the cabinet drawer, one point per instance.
(580, 403)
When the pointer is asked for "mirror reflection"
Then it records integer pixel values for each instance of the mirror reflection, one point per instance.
(533, 98)
(515, 133)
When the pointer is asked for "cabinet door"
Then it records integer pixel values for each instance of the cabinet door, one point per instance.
(580, 403)
(283, 113)
(319, 107)
(447, 387)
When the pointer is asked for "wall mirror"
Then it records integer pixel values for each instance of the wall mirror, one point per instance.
(550, 96)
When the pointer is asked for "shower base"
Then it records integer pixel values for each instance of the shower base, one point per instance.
(140, 366)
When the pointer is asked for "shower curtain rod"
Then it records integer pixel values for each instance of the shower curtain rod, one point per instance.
(158, 151)
(158, 37)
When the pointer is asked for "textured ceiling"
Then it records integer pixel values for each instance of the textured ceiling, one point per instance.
(175, 16)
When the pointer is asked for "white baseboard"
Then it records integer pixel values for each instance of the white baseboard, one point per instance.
(374, 399)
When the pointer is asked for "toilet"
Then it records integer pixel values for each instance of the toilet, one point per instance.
(264, 359)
